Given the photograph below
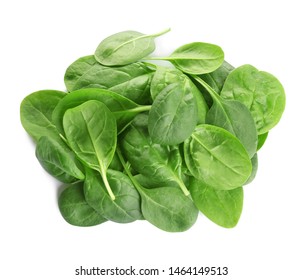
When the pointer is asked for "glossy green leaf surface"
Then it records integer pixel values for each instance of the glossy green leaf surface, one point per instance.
(131, 81)
(173, 115)
(75, 210)
(223, 207)
(125, 208)
(159, 162)
(124, 110)
(197, 58)
(168, 208)
(217, 158)
(125, 47)
(260, 91)
(233, 116)
(58, 160)
(91, 132)
(36, 113)
(164, 77)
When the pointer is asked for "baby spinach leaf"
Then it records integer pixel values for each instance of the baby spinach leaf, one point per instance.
(222, 207)
(90, 130)
(217, 158)
(36, 113)
(124, 110)
(260, 91)
(131, 81)
(173, 115)
(75, 210)
(126, 206)
(58, 160)
(233, 116)
(164, 77)
(167, 207)
(196, 58)
(261, 140)
(159, 162)
(125, 47)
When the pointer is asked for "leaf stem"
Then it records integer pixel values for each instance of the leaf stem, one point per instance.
(209, 89)
(106, 183)
(161, 32)
(124, 164)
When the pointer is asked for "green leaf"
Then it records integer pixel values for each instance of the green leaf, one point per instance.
(125, 47)
(91, 132)
(36, 113)
(164, 77)
(167, 207)
(196, 58)
(75, 210)
(173, 115)
(160, 162)
(124, 110)
(222, 207)
(217, 158)
(233, 116)
(58, 160)
(126, 206)
(260, 91)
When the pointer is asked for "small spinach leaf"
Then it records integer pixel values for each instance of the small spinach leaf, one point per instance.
(36, 113)
(217, 158)
(90, 130)
(75, 210)
(196, 58)
(58, 160)
(254, 161)
(260, 91)
(125, 47)
(222, 207)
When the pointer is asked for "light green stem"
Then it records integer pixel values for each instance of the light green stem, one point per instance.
(106, 183)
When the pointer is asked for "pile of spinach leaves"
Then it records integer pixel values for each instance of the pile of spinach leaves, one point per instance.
(135, 140)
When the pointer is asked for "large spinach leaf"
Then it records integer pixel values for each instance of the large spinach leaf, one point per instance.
(217, 158)
(74, 208)
(36, 113)
(58, 160)
(125, 47)
(260, 91)
(223, 207)
(91, 132)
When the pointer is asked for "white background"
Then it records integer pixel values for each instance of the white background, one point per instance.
(39, 39)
